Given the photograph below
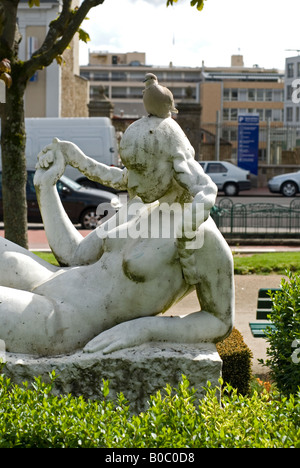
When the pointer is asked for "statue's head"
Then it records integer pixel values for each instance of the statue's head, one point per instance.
(147, 150)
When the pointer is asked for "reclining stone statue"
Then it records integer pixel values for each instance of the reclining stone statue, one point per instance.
(112, 287)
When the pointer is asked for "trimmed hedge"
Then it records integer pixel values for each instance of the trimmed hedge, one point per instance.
(33, 418)
(237, 359)
(283, 349)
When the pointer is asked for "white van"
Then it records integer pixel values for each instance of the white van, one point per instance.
(95, 136)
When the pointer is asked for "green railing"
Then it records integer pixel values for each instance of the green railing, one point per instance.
(257, 219)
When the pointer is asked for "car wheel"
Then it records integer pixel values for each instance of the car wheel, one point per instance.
(89, 219)
(289, 189)
(231, 189)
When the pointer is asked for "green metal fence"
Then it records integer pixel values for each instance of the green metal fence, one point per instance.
(257, 219)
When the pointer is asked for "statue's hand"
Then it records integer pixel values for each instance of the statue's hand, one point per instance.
(124, 335)
(51, 164)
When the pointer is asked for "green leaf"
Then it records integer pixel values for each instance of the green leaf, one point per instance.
(83, 35)
(198, 3)
(32, 3)
(59, 59)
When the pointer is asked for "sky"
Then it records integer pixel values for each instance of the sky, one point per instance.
(260, 30)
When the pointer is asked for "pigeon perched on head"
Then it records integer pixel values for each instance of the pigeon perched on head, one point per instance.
(158, 100)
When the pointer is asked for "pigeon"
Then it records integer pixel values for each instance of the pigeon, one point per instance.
(158, 100)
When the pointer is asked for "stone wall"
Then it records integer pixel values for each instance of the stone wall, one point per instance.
(74, 88)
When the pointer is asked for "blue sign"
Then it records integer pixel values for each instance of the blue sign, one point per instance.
(248, 137)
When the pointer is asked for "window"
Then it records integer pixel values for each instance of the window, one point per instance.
(268, 114)
(225, 114)
(290, 70)
(191, 76)
(277, 115)
(215, 168)
(118, 92)
(174, 76)
(261, 114)
(101, 76)
(118, 76)
(137, 76)
(251, 94)
(234, 94)
(289, 114)
(278, 95)
(289, 92)
(242, 95)
(136, 92)
(233, 114)
(229, 135)
(177, 92)
(260, 95)
(230, 114)
(269, 95)
(230, 94)
(226, 95)
(85, 74)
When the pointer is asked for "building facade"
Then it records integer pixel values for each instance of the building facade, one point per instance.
(292, 94)
(225, 92)
(56, 91)
(122, 77)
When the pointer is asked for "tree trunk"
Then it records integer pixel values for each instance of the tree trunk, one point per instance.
(13, 136)
(59, 35)
(14, 173)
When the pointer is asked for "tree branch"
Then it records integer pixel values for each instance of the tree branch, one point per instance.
(60, 34)
(8, 27)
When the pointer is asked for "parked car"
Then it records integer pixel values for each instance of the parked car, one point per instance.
(79, 202)
(229, 178)
(287, 184)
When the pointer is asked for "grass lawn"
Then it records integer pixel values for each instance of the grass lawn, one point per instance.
(267, 263)
(49, 257)
(259, 264)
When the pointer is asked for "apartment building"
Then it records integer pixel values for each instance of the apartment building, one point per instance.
(292, 91)
(56, 91)
(224, 91)
(122, 77)
(227, 93)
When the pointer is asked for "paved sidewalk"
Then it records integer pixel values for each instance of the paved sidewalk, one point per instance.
(246, 291)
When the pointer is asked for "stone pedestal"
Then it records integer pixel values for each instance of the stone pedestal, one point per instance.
(136, 372)
(101, 106)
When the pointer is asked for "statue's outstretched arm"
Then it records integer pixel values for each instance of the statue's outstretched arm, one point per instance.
(108, 175)
(69, 247)
(198, 327)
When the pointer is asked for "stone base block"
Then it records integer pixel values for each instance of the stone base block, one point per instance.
(136, 372)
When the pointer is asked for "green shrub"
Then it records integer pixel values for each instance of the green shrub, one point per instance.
(237, 359)
(285, 316)
(33, 417)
